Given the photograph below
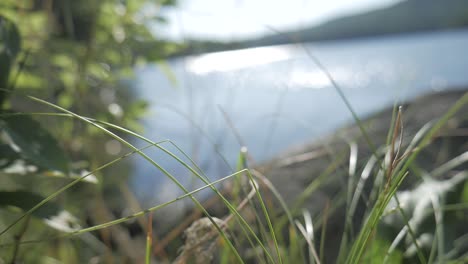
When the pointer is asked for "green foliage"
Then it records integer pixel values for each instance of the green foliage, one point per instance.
(51, 213)
(79, 52)
(33, 143)
(80, 55)
(377, 253)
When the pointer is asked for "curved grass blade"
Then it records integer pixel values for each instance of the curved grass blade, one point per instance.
(66, 187)
(129, 217)
(155, 164)
(231, 208)
(265, 212)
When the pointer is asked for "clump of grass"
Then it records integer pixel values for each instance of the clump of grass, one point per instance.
(196, 172)
(254, 231)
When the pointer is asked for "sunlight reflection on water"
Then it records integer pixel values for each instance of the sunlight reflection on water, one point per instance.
(316, 80)
(236, 60)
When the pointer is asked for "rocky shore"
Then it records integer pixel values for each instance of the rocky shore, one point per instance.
(314, 175)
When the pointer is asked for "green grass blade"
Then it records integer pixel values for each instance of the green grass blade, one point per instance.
(71, 184)
(129, 217)
(225, 201)
(384, 198)
(266, 214)
(155, 164)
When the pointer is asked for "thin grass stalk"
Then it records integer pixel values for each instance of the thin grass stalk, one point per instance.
(242, 164)
(231, 208)
(280, 199)
(395, 243)
(155, 164)
(439, 219)
(266, 214)
(18, 238)
(69, 185)
(309, 243)
(129, 217)
(203, 133)
(149, 239)
(347, 231)
(316, 183)
(323, 233)
(411, 232)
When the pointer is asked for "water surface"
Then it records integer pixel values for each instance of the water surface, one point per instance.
(271, 98)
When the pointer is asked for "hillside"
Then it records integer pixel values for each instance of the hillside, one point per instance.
(405, 17)
(409, 16)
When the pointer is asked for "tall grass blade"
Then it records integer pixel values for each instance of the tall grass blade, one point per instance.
(155, 164)
(71, 184)
(129, 217)
(149, 239)
(384, 198)
(266, 214)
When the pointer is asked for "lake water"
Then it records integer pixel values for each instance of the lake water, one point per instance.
(272, 98)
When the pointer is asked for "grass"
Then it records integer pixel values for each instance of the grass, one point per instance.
(256, 231)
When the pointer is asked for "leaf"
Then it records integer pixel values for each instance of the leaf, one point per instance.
(7, 156)
(9, 48)
(50, 213)
(33, 143)
(12, 164)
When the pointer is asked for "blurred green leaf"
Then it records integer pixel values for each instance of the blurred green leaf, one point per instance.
(378, 250)
(9, 40)
(34, 143)
(11, 163)
(7, 156)
(26, 200)
(30, 80)
(9, 48)
(50, 213)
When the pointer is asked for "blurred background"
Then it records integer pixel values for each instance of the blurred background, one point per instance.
(212, 77)
(267, 93)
